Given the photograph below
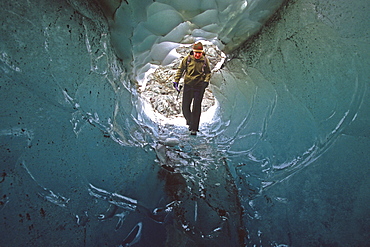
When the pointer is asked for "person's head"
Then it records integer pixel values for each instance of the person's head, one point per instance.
(198, 50)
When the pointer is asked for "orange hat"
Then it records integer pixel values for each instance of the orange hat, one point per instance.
(198, 47)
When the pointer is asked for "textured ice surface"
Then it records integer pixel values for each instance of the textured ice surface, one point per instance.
(283, 162)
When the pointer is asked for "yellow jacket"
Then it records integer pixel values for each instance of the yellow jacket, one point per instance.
(196, 71)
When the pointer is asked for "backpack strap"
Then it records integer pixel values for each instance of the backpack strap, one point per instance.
(204, 64)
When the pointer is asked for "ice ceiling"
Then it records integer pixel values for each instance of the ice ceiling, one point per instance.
(283, 162)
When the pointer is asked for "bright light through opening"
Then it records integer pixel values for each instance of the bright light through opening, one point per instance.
(161, 101)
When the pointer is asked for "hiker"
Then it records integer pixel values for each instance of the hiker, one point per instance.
(197, 73)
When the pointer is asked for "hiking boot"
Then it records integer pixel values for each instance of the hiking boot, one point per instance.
(193, 133)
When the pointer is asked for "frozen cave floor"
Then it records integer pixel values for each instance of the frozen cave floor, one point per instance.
(203, 195)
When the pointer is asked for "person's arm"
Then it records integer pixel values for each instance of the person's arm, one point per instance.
(180, 70)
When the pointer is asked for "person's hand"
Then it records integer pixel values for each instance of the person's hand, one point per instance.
(205, 83)
(176, 86)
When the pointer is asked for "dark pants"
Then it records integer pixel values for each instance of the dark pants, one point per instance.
(195, 95)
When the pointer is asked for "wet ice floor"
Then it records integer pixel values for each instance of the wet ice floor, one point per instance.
(186, 196)
(196, 176)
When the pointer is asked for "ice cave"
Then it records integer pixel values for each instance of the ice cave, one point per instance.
(282, 160)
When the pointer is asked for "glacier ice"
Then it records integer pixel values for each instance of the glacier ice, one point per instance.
(282, 161)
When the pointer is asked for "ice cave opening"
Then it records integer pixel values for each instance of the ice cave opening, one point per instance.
(160, 100)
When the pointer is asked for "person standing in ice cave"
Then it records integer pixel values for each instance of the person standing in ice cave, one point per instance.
(197, 74)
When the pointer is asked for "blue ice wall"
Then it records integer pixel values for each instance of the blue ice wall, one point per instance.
(284, 162)
(60, 82)
(299, 149)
